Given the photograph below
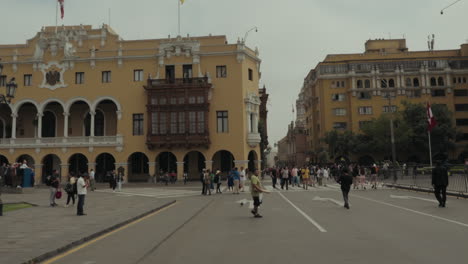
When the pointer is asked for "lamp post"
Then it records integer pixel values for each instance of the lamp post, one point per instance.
(247, 33)
(10, 90)
(389, 96)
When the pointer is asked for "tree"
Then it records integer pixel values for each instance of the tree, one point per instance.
(340, 143)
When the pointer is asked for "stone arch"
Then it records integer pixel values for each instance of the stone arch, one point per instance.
(440, 81)
(78, 163)
(194, 163)
(433, 81)
(166, 161)
(50, 163)
(74, 100)
(223, 160)
(46, 124)
(253, 159)
(18, 105)
(104, 98)
(3, 130)
(138, 169)
(43, 105)
(105, 162)
(87, 118)
(391, 83)
(3, 159)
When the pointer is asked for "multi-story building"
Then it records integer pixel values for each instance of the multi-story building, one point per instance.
(87, 99)
(292, 149)
(347, 90)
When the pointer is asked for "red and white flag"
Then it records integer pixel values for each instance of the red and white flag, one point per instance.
(431, 122)
(62, 11)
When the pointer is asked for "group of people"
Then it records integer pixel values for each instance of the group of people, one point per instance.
(235, 180)
(74, 187)
(321, 175)
(16, 175)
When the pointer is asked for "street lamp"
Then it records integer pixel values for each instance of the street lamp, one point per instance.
(247, 33)
(10, 89)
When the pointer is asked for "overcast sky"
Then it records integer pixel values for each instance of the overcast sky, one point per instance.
(293, 36)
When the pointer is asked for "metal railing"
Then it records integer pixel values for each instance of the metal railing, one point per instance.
(418, 178)
(61, 142)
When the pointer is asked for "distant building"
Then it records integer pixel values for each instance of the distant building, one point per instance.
(292, 148)
(347, 90)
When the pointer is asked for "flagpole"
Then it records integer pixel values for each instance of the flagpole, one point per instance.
(430, 149)
(56, 16)
(178, 2)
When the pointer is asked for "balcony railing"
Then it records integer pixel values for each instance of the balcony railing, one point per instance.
(55, 142)
(178, 82)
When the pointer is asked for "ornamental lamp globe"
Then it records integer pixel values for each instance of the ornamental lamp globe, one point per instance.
(11, 88)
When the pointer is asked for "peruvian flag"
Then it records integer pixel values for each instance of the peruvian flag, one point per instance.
(431, 122)
(62, 11)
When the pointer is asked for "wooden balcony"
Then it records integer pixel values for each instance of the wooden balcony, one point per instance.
(178, 141)
(173, 98)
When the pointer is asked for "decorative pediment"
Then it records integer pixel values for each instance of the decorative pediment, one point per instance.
(64, 39)
(179, 47)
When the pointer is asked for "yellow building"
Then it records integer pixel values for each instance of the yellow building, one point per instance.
(87, 99)
(347, 90)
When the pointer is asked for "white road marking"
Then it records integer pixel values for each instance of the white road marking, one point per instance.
(317, 198)
(319, 227)
(413, 211)
(413, 197)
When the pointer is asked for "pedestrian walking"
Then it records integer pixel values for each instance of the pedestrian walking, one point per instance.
(326, 176)
(242, 174)
(284, 178)
(274, 176)
(236, 178)
(185, 178)
(362, 177)
(202, 180)
(207, 181)
(53, 181)
(345, 180)
(92, 180)
(373, 172)
(256, 189)
(71, 190)
(217, 180)
(305, 178)
(81, 188)
(295, 179)
(440, 183)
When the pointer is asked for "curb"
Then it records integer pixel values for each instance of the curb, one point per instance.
(427, 190)
(81, 241)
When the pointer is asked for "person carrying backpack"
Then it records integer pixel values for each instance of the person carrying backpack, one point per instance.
(70, 189)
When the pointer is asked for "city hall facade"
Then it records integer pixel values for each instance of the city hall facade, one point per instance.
(87, 99)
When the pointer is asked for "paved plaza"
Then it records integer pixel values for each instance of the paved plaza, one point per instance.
(382, 226)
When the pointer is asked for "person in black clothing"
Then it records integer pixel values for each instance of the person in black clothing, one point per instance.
(274, 176)
(440, 183)
(345, 180)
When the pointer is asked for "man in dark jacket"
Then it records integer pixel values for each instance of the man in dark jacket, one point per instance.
(440, 183)
(345, 180)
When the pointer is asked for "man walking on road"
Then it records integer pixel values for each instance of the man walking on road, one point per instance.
(345, 180)
(92, 180)
(256, 189)
(440, 183)
(81, 187)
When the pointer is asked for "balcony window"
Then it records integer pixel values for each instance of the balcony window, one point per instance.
(137, 124)
(154, 124)
(170, 73)
(367, 84)
(440, 81)
(359, 84)
(200, 99)
(438, 93)
(461, 107)
(192, 123)
(338, 97)
(137, 75)
(162, 123)
(3, 80)
(79, 77)
(222, 121)
(181, 122)
(28, 80)
(174, 123)
(106, 77)
(221, 71)
(364, 95)
(389, 108)
(187, 73)
(339, 111)
(365, 110)
(433, 82)
(201, 122)
(250, 75)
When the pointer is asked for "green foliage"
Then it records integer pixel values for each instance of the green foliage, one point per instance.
(410, 133)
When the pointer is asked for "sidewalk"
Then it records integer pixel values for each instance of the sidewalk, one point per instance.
(31, 232)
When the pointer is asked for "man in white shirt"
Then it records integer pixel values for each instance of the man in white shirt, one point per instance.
(81, 188)
(92, 181)
(242, 178)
